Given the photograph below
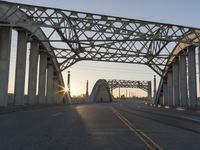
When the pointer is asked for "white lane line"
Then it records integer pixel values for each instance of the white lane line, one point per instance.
(57, 114)
(192, 119)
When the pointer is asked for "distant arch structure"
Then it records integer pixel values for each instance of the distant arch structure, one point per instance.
(72, 36)
(100, 92)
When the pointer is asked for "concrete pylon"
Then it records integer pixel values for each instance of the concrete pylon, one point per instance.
(175, 70)
(5, 46)
(42, 78)
(87, 93)
(33, 65)
(56, 90)
(170, 87)
(58, 93)
(183, 81)
(149, 92)
(154, 87)
(161, 100)
(68, 83)
(192, 78)
(50, 84)
(119, 93)
(199, 67)
(20, 67)
(165, 93)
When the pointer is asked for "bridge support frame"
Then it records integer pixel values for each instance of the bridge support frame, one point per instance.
(5, 48)
(50, 84)
(33, 66)
(183, 81)
(20, 67)
(192, 78)
(149, 92)
(170, 87)
(165, 93)
(175, 68)
(56, 88)
(42, 78)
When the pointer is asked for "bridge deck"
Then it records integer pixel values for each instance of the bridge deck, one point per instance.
(99, 126)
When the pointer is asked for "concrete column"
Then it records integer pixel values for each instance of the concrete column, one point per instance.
(192, 78)
(119, 93)
(56, 91)
(149, 92)
(68, 83)
(20, 67)
(161, 100)
(5, 45)
(170, 87)
(33, 65)
(154, 87)
(183, 81)
(50, 84)
(165, 94)
(175, 70)
(87, 93)
(199, 67)
(42, 78)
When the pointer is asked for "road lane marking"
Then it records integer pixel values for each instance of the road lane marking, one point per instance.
(142, 136)
(56, 114)
(188, 118)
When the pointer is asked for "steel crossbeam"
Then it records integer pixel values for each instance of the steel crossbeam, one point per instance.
(113, 84)
(76, 36)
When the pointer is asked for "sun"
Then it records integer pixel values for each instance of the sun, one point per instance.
(74, 89)
(66, 89)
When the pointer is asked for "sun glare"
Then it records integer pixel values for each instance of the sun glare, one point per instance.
(66, 89)
(74, 90)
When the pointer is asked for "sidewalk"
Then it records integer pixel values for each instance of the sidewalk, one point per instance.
(12, 108)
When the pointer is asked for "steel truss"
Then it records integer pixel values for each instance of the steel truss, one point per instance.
(76, 36)
(113, 84)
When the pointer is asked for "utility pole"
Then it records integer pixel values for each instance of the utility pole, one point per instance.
(154, 88)
(87, 93)
(119, 92)
(68, 83)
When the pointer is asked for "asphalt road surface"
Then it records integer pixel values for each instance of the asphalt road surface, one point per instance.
(109, 126)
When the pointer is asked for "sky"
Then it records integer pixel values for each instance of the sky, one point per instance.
(182, 12)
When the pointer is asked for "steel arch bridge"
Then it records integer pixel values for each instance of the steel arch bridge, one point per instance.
(113, 84)
(72, 36)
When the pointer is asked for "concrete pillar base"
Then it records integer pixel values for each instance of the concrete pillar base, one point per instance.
(192, 78)
(183, 81)
(33, 65)
(42, 78)
(50, 80)
(5, 46)
(175, 68)
(20, 68)
(165, 94)
(149, 92)
(170, 88)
